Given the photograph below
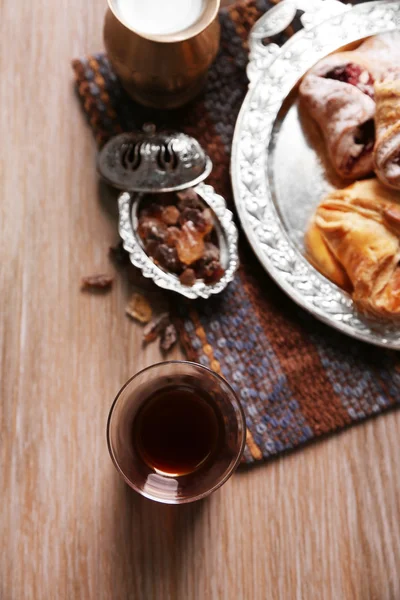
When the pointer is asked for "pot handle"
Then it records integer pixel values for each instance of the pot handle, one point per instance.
(263, 50)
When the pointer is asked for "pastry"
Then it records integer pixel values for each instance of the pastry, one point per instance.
(384, 49)
(323, 259)
(387, 123)
(359, 231)
(339, 93)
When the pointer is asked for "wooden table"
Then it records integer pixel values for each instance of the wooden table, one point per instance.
(323, 523)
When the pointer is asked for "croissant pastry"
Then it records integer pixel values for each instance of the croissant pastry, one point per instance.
(339, 94)
(387, 120)
(359, 232)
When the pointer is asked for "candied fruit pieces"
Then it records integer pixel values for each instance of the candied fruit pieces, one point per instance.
(188, 277)
(97, 282)
(211, 252)
(161, 327)
(202, 220)
(190, 244)
(151, 246)
(170, 215)
(169, 337)
(172, 236)
(151, 228)
(209, 267)
(208, 220)
(152, 209)
(188, 199)
(213, 272)
(167, 257)
(177, 231)
(139, 308)
(155, 327)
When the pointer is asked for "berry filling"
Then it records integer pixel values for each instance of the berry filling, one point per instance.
(364, 140)
(354, 75)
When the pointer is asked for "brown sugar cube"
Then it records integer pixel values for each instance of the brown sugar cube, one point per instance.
(139, 308)
(188, 277)
(170, 215)
(97, 282)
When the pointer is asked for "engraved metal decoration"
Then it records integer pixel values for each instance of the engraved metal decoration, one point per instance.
(277, 20)
(226, 230)
(269, 195)
(152, 161)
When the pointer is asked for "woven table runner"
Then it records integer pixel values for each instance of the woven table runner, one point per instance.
(297, 378)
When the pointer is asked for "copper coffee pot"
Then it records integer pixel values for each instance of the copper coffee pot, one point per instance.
(163, 70)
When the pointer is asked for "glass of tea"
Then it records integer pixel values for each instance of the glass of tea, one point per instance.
(176, 432)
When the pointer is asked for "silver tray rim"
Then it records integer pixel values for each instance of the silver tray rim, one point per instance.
(250, 163)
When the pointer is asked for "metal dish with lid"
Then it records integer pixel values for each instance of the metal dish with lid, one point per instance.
(159, 162)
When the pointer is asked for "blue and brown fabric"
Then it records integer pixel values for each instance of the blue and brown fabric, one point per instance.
(297, 378)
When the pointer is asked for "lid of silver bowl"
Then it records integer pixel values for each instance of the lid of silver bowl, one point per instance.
(151, 161)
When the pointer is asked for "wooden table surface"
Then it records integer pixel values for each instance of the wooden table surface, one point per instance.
(322, 523)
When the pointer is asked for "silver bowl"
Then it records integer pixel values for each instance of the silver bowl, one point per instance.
(128, 203)
(156, 162)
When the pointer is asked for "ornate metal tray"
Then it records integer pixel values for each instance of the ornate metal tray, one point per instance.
(279, 173)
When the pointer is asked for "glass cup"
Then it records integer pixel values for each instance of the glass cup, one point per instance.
(122, 435)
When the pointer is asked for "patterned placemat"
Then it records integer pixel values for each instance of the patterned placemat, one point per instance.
(297, 378)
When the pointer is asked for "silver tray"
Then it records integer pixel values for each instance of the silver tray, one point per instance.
(279, 174)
